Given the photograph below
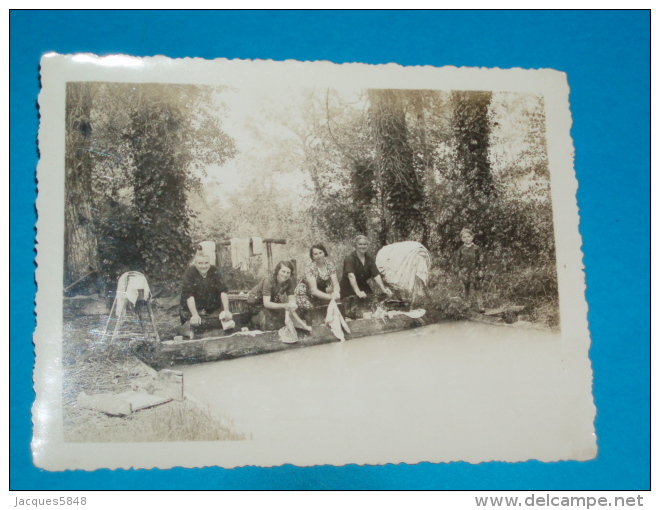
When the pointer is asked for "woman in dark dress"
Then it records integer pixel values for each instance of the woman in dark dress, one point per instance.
(204, 300)
(359, 268)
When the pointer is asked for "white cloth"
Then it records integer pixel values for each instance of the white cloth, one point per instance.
(402, 264)
(208, 247)
(335, 321)
(257, 246)
(246, 331)
(288, 333)
(128, 288)
(413, 314)
(240, 253)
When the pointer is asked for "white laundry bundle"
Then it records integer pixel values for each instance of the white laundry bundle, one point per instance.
(240, 253)
(128, 288)
(402, 264)
(335, 321)
(413, 314)
(288, 333)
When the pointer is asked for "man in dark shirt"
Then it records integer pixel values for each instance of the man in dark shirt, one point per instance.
(203, 296)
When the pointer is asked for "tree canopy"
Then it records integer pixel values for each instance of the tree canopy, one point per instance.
(323, 165)
(147, 145)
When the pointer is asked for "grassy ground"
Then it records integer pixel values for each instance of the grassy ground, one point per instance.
(534, 288)
(94, 366)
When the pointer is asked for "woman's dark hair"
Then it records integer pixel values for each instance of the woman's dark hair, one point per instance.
(317, 246)
(280, 264)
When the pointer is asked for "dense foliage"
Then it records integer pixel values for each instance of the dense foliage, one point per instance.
(320, 165)
(148, 143)
(421, 165)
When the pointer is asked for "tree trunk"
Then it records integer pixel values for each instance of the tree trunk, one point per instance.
(419, 99)
(363, 193)
(471, 131)
(401, 186)
(80, 245)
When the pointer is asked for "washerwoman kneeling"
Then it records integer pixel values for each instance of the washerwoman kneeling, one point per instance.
(273, 297)
(359, 268)
(204, 303)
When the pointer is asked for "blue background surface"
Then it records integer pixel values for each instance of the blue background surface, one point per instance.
(606, 56)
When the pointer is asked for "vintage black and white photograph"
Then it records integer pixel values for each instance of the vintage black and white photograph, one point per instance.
(260, 263)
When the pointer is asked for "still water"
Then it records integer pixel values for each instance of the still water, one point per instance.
(455, 388)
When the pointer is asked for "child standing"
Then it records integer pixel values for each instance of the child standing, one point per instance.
(468, 264)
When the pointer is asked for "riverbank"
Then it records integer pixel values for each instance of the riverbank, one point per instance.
(93, 365)
(534, 288)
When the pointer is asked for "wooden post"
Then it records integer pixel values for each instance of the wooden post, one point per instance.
(269, 254)
(153, 321)
(114, 304)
